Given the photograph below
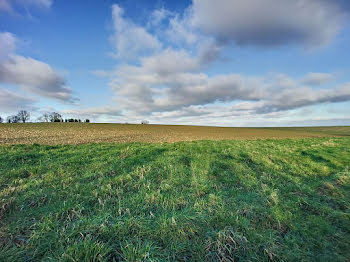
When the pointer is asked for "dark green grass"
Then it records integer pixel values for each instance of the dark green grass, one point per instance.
(280, 200)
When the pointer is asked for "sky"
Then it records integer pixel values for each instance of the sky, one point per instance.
(199, 62)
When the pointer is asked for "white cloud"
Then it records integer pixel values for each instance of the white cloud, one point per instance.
(30, 74)
(170, 62)
(161, 83)
(180, 30)
(293, 98)
(315, 79)
(168, 81)
(11, 102)
(130, 39)
(34, 76)
(269, 22)
(7, 45)
(158, 16)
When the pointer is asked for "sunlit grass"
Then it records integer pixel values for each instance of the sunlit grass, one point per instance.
(190, 201)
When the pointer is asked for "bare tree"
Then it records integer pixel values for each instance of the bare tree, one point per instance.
(1, 120)
(55, 117)
(12, 119)
(23, 116)
(44, 118)
(144, 122)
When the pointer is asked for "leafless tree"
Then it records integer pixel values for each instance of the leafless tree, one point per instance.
(144, 122)
(44, 118)
(55, 117)
(23, 116)
(1, 120)
(12, 119)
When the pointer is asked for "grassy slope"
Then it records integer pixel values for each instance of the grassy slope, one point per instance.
(189, 201)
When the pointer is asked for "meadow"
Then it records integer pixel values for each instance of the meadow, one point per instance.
(68, 195)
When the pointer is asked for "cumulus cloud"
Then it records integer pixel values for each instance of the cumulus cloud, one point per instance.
(287, 99)
(158, 16)
(269, 22)
(158, 85)
(262, 111)
(34, 76)
(172, 79)
(130, 39)
(171, 62)
(30, 74)
(168, 82)
(11, 102)
(181, 31)
(315, 79)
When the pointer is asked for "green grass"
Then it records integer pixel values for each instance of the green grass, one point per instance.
(260, 200)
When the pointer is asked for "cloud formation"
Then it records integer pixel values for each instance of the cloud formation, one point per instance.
(286, 99)
(269, 22)
(34, 76)
(168, 79)
(130, 39)
(316, 79)
(7, 45)
(12, 102)
(30, 74)
(148, 89)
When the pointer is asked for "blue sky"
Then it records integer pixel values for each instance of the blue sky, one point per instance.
(200, 62)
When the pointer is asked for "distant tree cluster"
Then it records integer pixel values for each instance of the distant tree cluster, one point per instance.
(72, 120)
(23, 116)
(51, 117)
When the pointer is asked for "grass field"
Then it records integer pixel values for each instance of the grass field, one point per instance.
(74, 133)
(230, 200)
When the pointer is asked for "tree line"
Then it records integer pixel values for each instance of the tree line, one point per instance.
(23, 116)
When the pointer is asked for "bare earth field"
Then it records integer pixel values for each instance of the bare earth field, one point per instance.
(81, 133)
